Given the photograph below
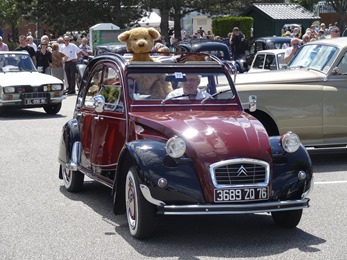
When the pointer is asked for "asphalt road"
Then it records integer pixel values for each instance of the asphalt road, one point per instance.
(39, 219)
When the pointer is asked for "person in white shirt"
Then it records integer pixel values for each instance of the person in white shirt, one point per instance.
(290, 51)
(31, 42)
(73, 53)
(189, 89)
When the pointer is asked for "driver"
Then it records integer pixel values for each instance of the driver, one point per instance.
(190, 88)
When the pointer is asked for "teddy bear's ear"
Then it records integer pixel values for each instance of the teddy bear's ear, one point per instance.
(123, 37)
(154, 33)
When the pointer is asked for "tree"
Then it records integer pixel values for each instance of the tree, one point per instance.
(340, 6)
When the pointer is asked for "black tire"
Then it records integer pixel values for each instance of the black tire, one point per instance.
(287, 219)
(52, 109)
(140, 213)
(73, 180)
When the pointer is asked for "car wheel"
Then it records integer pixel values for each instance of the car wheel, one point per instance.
(73, 180)
(287, 219)
(140, 213)
(52, 109)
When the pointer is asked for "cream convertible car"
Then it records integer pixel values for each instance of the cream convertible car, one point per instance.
(309, 98)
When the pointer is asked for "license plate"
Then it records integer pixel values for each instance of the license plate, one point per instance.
(241, 194)
(35, 101)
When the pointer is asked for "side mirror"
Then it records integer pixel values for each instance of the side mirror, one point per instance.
(99, 103)
(252, 103)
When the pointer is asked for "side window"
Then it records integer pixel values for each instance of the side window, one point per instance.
(270, 62)
(259, 61)
(110, 88)
(93, 87)
(342, 67)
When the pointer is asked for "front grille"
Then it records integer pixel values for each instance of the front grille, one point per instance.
(240, 172)
(35, 95)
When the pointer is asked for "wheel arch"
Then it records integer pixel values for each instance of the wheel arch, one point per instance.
(267, 121)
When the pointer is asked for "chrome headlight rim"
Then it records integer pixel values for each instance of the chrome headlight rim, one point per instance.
(9, 90)
(53, 87)
(290, 142)
(176, 147)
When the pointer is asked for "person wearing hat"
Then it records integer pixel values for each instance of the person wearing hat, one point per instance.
(321, 34)
(3, 46)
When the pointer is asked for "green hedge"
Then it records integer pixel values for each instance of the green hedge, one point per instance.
(224, 25)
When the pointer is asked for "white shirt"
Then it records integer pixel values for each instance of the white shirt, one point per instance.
(70, 51)
(179, 91)
(33, 45)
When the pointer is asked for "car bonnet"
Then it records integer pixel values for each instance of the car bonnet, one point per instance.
(212, 136)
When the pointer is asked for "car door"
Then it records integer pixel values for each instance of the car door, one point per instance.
(86, 114)
(335, 105)
(109, 125)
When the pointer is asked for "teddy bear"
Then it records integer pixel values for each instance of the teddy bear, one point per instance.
(140, 41)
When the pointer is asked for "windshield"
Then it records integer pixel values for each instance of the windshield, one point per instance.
(315, 56)
(10, 62)
(179, 85)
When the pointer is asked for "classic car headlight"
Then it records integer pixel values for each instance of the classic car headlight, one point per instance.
(175, 147)
(54, 87)
(9, 90)
(290, 142)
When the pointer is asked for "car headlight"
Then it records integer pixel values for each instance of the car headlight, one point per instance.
(290, 142)
(9, 90)
(175, 147)
(54, 87)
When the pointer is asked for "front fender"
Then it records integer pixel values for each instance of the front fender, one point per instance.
(70, 135)
(286, 167)
(153, 163)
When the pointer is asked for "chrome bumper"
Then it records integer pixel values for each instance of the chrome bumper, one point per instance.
(258, 207)
(224, 209)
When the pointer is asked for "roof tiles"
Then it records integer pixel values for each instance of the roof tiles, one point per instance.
(285, 11)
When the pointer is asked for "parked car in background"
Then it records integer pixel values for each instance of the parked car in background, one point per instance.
(22, 86)
(179, 154)
(216, 48)
(268, 60)
(266, 43)
(309, 97)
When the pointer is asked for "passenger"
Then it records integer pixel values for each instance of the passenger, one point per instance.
(190, 88)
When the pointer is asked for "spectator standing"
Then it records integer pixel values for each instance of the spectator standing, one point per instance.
(73, 53)
(201, 32)
(305, 38)
(31, 42)
(291, 51)
(235, 42)
(23, 46)
(85, 48)
(335, 32)
(58, 59)
(3, 46)
(321, 35)
(44, 58)
(60, 42)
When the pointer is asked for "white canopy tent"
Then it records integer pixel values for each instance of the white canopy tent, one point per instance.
(152, 20)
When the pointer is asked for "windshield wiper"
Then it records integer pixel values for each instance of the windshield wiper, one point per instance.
(214, 95)
(169, 98)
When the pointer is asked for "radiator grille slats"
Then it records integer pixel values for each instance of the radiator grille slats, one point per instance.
(240, 174)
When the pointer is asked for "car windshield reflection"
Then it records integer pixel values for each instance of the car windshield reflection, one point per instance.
(16, 62)
(316, 57)
(178, 85)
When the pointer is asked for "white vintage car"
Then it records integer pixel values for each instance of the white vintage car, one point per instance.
(22, 86)
(308, 98)
(267, 60)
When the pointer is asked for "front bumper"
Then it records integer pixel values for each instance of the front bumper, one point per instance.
(258, 207)
(224, 209)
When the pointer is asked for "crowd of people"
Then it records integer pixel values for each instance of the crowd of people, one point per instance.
(312, 33)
